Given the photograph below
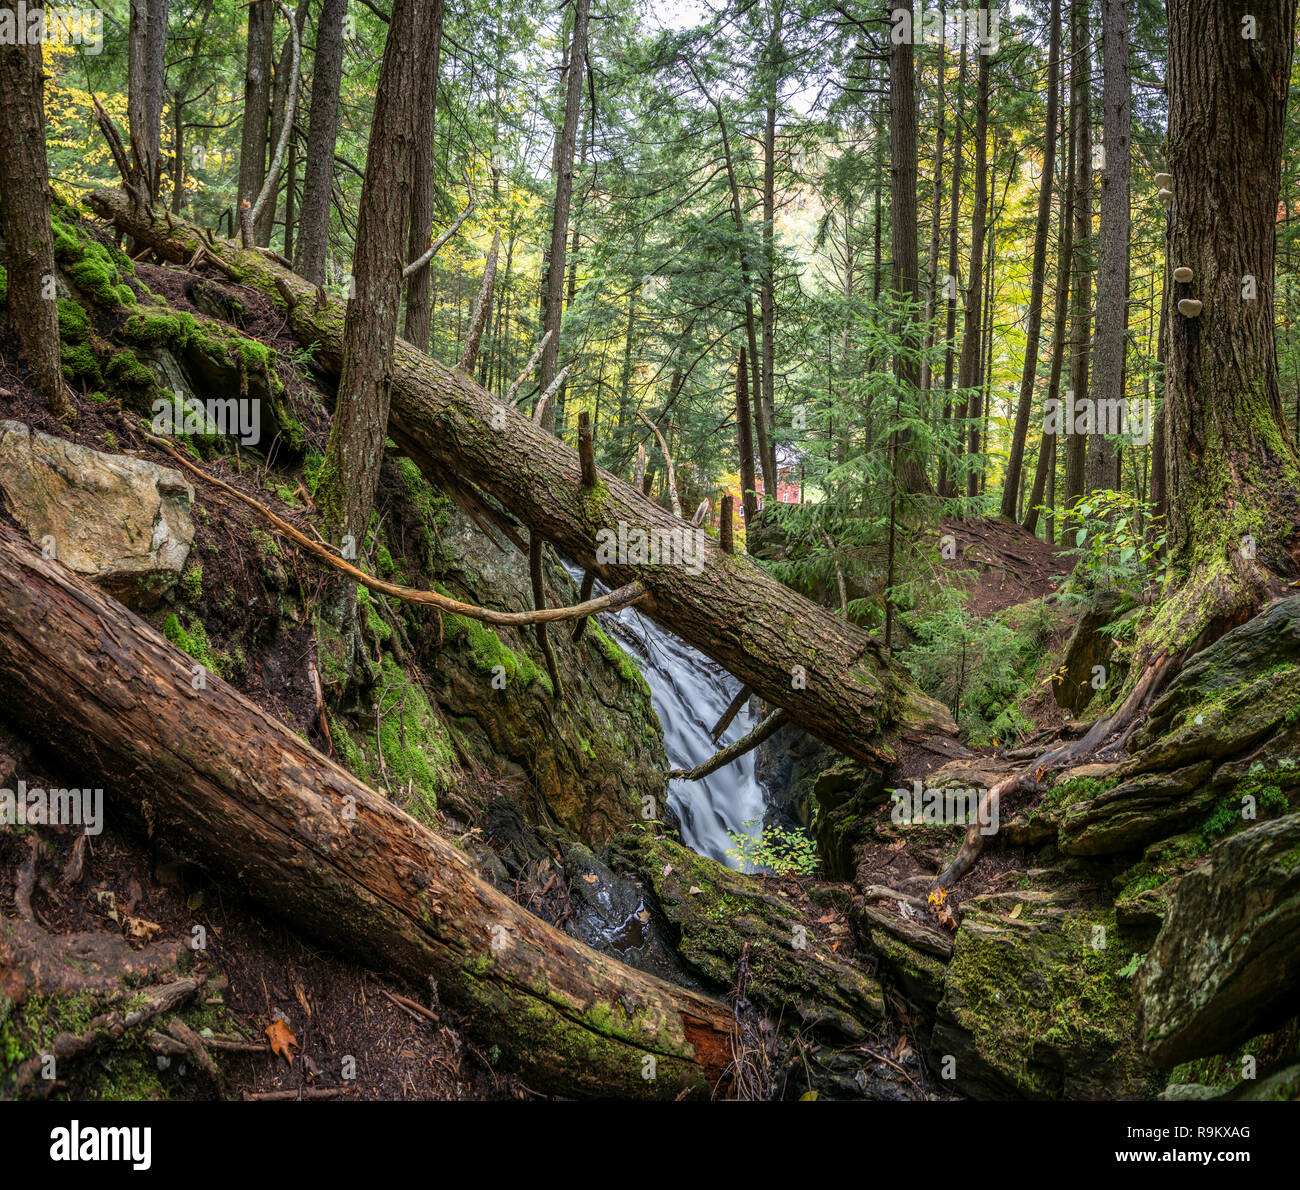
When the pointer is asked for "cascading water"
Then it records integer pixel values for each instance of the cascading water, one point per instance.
(690, 694)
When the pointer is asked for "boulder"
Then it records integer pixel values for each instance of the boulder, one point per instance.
(122, 522)
(1226, 965)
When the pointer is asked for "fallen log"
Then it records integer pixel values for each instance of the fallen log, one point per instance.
(834, 679)
(236, 791)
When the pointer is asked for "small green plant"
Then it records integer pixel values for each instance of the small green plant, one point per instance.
(1112, 547)
(775, 849)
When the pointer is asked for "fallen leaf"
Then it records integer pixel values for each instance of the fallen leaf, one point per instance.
(106, 897)
(590, 877)
(139, 930)
(1016, 911)
(643, 916)
(808, 1097)
(281, 1038)
(826, 920)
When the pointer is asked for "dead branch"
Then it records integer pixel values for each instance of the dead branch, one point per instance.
(482, 307)
(768, 727)
(615, 601)
(433, 249)
(668, 462)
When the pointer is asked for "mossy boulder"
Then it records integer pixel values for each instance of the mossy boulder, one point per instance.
(1226, 965)
(1040, 1009)
(712, 912)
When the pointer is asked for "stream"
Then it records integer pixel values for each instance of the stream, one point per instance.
(690, 693)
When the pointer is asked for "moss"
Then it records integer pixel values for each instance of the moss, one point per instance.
(81, 363)
(192, 583)
(133, 380)
(74, 322)
(1048, 1012)
(418, 760)
(4, 284)
(172, 331)
(618, 658)
(375, 623)
(487, 651)
(1079, 789)
(193, 640)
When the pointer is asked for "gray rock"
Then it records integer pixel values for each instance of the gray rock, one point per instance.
(1226, 965)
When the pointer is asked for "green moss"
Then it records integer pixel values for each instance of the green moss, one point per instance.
(1049, 1012)
(418, 761)
(81, 363)
(74, 322)
(172, 331)
(192, 583)
(487, 651)
(193, 640)
(618, 658)
(375, 623)
(133, 380)
(1079, 789)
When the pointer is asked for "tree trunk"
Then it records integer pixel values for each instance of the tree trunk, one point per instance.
(553, 291)
(1045, 474)
(234, 790)
(936, 221)
(767, 292)
(322, 132)
(1076, 444)
(902, 198)
(745, 445)
(1232, 472)
(279, 107)
(1033, 330)
(829, 674)
(947, 482)
(346, 491)
(969, 376)
(25, 218)
(257, 104)
(146, 65)
(418, 327)
(1112, 243)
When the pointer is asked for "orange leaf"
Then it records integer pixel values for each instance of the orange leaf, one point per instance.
(281, 1038)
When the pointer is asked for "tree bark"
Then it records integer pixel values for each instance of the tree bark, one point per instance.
(1232, 473)
(969, 376)
(1112, 242)
(1045, 474)
(257, 103)
(234, 790)
(322, 133)
(1081, 115)
(903, 214)
(745, 446)
(830, 675)
(947, 482)
(25, 218)
(146, 64)
(553, 291)
(350, 474)
(1033, 330)
(767, 292)
(418, 327)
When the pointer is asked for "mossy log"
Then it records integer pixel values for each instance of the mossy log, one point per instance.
(236, 791)
(834, 679)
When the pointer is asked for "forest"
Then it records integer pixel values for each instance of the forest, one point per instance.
(650, 550)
